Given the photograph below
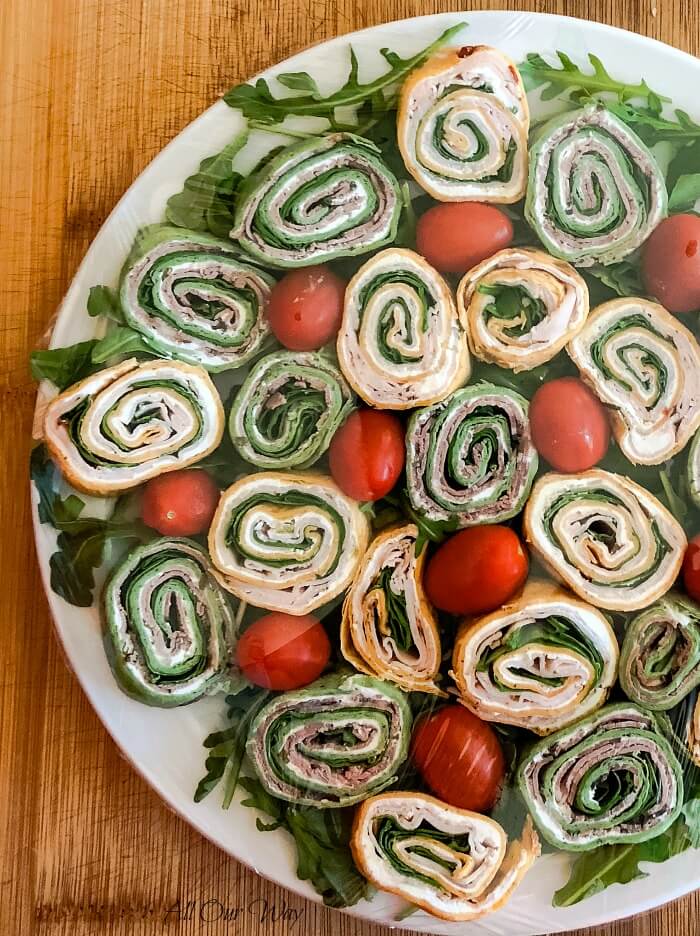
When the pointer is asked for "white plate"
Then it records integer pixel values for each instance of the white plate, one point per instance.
(166, 746)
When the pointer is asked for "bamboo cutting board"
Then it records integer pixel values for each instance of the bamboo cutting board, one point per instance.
(90, 91)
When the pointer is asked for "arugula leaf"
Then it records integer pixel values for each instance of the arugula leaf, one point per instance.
(83, 543)
(63, 366)
(206, 200)
(322, 839)
(674, 501)
(685, 192)
(104, 302)
(652, 126)
(623, 278)
(691, 815)
(569, 79)
(122, 341)
(257, 101)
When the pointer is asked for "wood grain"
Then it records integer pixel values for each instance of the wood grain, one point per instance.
(90, 90)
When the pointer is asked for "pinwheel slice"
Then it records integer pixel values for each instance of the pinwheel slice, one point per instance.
(541, 661)
(453, 863)
(169, 630)
(644, 365)
(693, 730)
(595, 192)
(333, 743)
(470, 458)
(287, 542)
(326, 197)
(389, 629)
(131, 422)
(521, 307)
(604, 536)
(463, 124)
(401, 343)
(693, 469)
(192, 299)
(611, 778)
(660, 656)
(287, 409)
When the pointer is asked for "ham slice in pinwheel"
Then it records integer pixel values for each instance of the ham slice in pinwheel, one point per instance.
(325, 197)
(389, 629)
(131, 422)
(332, 744)
(542, 661)
(287, 542)
(595, 192)
(470, 458)
(456, 864)
(609, 779)
(521, 307)
(192, 299)
(660, 656)
(604, 536)
(463, 124)
(401, 343)
(645, 366)
(170, 633)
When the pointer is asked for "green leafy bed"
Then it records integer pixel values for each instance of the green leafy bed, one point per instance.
(206, 204)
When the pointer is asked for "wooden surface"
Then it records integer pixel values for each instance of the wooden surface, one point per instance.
(90, 90)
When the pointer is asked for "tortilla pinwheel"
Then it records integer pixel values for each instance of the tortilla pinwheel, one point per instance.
(660, 655)
(595, 192)
(287, 409)
(692, 728)
(606, 537)
(389, 629)
(319, 199)
(611, 778)
(541, 661)
(287, 542)
(131, 422)
(470, 458)
(192, 299)
(456, 864)
(694, 470)
(463, 124)
(645, 366)
(332, 744)
(401, 343)
(169, 629)
(521, 307)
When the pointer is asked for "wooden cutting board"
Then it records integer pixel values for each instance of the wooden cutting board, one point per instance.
(90, 91)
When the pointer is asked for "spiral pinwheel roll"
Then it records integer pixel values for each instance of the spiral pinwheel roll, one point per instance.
(693, 730)
(595, 192)
(660, 656)
(463, 124)
(541, 661)
(453, 863)
(132, 422)
(401, 343)
(169, 629)
(332, 744)
(470, 458)
(644, 365)
(694, 470)
(610, 778)
(192, 299)
(287, 542)
(287, 410)
(521, 307)
(329, 196)
(389, 629)
(604, 536)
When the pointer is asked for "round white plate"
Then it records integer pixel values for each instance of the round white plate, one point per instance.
(166, 746)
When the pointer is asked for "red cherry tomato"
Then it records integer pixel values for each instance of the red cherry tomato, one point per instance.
(283, 651)
(476, 570)
(456, 236)
(671, 263)
(367, 454)
(306, 307)
(691, 568)
(569, 425)
(180, 503)
(460, 758)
